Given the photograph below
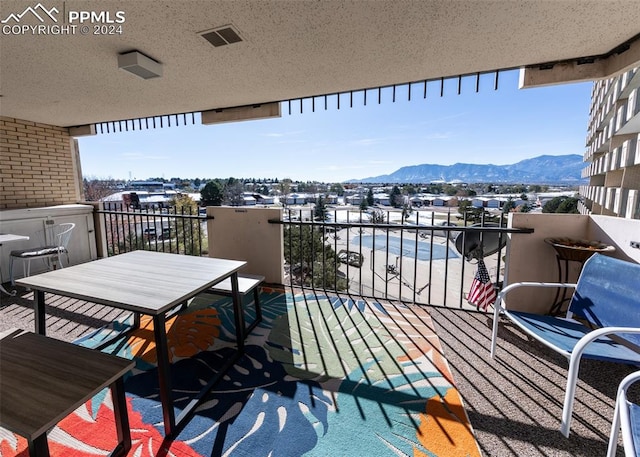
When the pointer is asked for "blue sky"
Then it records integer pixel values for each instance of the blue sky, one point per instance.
(498, 127)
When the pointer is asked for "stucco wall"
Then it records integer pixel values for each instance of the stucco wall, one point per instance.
(618, 232)
(242, 233)
(39, 165)
(531, 259)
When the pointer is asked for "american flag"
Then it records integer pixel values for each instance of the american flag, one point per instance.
(482, 293)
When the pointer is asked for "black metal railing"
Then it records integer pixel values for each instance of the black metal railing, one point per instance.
(422, 257)
(178, 230)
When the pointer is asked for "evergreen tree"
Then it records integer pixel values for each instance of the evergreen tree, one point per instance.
(370, 200)
(569, 205)
(337, 188)
(508, 206)
(396, 197)
(561, 205)
(472, 214)
(212, 194)
(312, 261)
(320, 211)
(465, 206)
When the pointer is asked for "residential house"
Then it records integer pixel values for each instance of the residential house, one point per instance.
(295, 199)
(355, 199)
(381, 199)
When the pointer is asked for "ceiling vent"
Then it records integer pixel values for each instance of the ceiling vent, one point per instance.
(222, 36)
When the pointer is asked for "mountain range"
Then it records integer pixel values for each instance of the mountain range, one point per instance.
(544, 169)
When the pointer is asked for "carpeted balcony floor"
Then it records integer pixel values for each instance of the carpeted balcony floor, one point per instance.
(514, 402)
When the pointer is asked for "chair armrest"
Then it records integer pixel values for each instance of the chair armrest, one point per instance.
(595, 334)
(628, 438)
(622, 418)
(500, 305)
(628, 381)
(517, 285)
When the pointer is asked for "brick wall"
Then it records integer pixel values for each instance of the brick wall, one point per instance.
(38, 165)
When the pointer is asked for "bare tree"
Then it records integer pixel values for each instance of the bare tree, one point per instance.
(233, 192)
(97, 189)
(378, 216)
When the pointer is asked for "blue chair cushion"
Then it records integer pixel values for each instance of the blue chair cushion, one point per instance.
(564, 334)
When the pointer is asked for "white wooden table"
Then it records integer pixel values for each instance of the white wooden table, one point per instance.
(7, 238)
(150, 283)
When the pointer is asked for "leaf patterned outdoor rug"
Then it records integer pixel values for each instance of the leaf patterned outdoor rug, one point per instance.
(321, 376)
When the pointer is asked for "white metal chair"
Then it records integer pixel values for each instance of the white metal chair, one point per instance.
(55, 240)
(626, 416)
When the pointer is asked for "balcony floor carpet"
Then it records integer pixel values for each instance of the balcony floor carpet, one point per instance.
(321, 376)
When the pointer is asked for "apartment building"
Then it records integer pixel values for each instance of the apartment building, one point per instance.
(613, 148)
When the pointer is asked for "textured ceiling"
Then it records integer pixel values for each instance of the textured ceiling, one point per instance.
(291, 49)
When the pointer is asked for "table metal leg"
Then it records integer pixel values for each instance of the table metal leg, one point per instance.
(164, 373)
(38, 447)
(258, 308)
(136, 321)
(121, 418)
(238, 312)
(171, 424)
(38, 308)
(188, 410)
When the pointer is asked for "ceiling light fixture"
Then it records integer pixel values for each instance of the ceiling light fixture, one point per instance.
(140, 65)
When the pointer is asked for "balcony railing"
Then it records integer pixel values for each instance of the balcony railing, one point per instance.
(178, 230)
(387, 255)
(422, 257)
